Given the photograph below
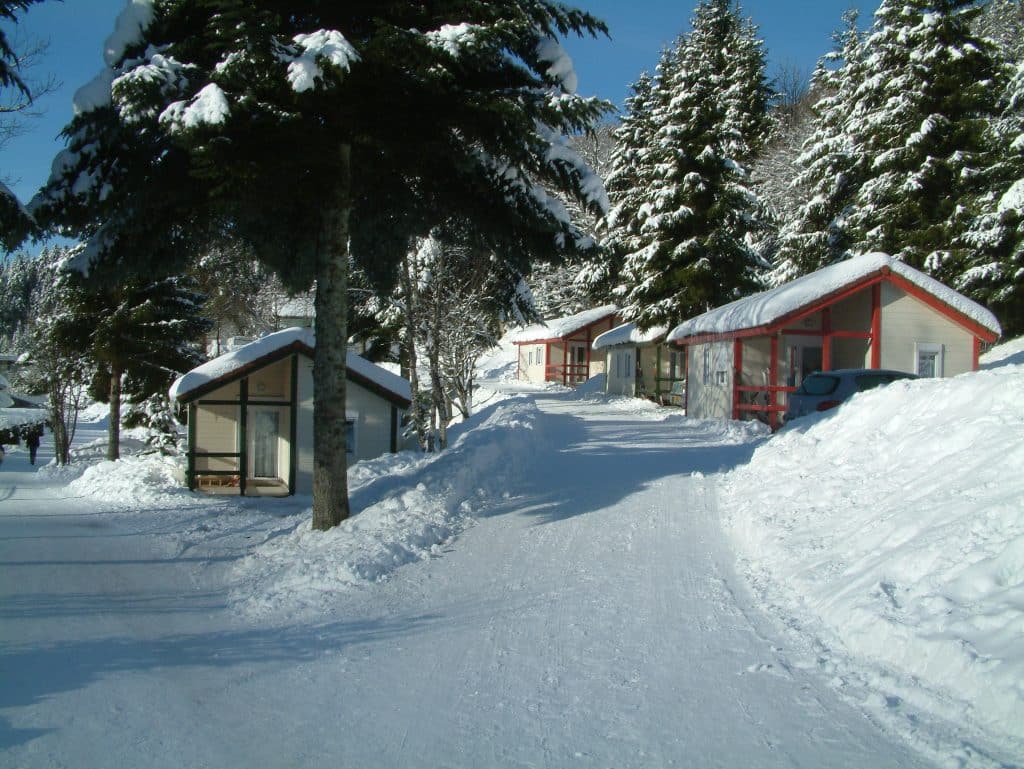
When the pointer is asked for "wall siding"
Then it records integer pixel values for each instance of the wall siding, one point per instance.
(621, 382)
(216, 430)
(304, 428)
(710, 400)
(906, 320)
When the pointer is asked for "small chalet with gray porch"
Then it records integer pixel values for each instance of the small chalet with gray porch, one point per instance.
(560, 350)
(643, 364)
(250, 415)
(871, 311)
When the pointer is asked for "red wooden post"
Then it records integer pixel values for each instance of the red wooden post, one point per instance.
(876, 325)
(737, 354)
(773, 380)
(826, 339)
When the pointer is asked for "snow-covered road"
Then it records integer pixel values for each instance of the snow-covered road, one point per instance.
(592, 618)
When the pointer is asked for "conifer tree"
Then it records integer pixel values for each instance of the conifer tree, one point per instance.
(994, 268)
(16, 96)
(830, 164)
(632, 173)
(139, 334)
(699, 212)
(339, 124)
(923, 120)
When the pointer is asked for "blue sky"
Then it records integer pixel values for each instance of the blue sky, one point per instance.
(796, 33)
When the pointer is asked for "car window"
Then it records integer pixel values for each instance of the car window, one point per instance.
(870, 381)
(819, 384)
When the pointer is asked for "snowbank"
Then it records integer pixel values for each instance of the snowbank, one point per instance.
(132, 482)
(404, 516)
(896, 527)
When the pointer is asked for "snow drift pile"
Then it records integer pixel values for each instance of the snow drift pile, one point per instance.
(894, 527)
(397, 522)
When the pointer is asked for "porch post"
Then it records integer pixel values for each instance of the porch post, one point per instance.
(588, 355)
(876, 325)
(657, 373)
(547, 361)
(243, 419)
(773, 380)
(293, 431)
(190, 473)
(826, 339)
(737, 354)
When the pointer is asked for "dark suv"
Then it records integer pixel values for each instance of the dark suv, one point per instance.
(827, 389)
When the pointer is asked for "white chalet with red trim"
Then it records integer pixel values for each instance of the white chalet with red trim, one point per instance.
(560, 350)
(871, 311)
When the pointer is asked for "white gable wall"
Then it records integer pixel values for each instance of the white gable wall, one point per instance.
(907, 321)
(531, 362)
(304, 428)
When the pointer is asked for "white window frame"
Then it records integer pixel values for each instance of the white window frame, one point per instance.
(706, 378)
(929, 348)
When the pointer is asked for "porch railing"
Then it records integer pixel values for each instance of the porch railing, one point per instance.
(762, 402)
(567, 373)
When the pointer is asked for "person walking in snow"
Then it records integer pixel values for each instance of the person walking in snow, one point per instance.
(32, 441)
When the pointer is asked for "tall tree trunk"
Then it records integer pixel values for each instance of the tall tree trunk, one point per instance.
(330, 466)
(114, 428)
(412, 331)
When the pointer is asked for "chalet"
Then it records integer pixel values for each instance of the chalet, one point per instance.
(250, 415)
(560, 350)
(872, 311)
(642, 363)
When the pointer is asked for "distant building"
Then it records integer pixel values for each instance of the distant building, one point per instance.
(560, 350)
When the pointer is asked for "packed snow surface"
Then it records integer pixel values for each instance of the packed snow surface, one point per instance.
(772, 306)
(561, 327)
(555, 590)
(224, 365)
(893, 530)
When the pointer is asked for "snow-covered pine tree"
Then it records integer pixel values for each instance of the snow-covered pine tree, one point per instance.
(338, 124)
(632, 173)
(139, 334)
(923, 119)
(699, 213)
(16, 97)
(830, 165)
(994, 268)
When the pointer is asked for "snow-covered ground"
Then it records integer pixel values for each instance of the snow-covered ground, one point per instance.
(555, 590)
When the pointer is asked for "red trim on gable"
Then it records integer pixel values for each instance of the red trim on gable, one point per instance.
(871, 280)
(938, 305)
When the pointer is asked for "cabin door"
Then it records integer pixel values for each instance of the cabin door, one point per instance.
(578, 362)
(266, 425)
(804, 360)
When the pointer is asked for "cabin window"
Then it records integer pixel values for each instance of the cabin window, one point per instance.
(540, 355)
(673, 365)
(928, 361)
(350, 435)
(706, 376)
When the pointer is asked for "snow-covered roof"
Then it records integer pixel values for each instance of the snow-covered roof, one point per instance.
(222, 368)
(13, 418)
(771, 306)
(562, 327)
(628, 333)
